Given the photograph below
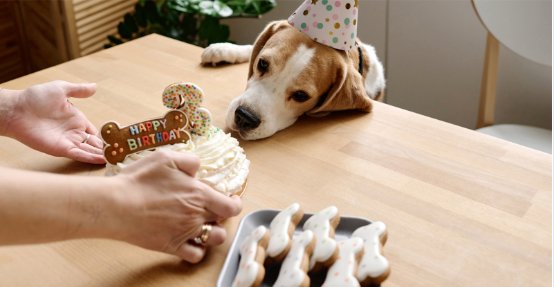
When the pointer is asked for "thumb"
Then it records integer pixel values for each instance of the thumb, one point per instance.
(80, 90)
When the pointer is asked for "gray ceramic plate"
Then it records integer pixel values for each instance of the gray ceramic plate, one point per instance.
(264, 217)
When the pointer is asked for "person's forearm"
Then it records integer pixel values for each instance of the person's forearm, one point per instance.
(39, 207)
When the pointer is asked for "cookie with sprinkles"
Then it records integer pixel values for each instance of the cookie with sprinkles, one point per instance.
(323, 225)
(188, 98)
(200, 122)
(282, 229)
(252, 253)
(343, 271)
(294, 269)
(374, 268)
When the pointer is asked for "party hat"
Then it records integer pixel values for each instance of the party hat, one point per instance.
(328, 22)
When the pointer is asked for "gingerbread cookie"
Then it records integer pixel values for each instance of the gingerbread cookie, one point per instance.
(252, 254)
(323, 225)
(374, 267)
(188, 98)
(281, 229)
(294, 269)
(122, 141)
(343, 271)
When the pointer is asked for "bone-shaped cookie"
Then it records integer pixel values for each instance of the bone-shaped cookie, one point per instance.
(323, 225)
(152, 133)
(281, 229)
(252, 253)
(188, 98)
(374, 267)
(343, 272)
(294, 269)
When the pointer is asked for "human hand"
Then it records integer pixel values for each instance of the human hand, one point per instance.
(42, 118)
(165, 206)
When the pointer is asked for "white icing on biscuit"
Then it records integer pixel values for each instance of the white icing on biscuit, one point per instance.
(341, 274)
(279, 229)
(320, 225)
(290, 274)
(248, 268)
(373, 264)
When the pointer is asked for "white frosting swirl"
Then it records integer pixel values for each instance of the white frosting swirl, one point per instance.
(223, 165)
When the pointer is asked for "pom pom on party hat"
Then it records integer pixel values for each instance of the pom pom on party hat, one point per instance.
(329, 22)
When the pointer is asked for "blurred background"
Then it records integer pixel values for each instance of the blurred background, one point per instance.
(433, 51)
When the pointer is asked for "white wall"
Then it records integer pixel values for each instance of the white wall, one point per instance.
(433, 53)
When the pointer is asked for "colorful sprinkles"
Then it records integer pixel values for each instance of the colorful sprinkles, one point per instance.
(189, 98)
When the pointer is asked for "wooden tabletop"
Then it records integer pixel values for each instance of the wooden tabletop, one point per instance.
(462, 208)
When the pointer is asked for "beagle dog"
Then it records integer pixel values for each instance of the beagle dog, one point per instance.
(291, 74)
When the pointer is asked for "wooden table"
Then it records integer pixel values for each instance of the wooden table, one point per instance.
(462, 208)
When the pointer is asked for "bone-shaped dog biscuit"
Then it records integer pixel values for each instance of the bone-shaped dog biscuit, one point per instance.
(343, 271)
(374, 267)
(294, 269)
(323, 225)
(281, 229)
(252, 253)
(122, 141)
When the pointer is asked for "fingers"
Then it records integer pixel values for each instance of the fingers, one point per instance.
(95, 142)
(186, 163)
(217, 235)
(81, 155)
(222, 204)
(88, 148)
(191, 252)
(79, 90)
(91, 129)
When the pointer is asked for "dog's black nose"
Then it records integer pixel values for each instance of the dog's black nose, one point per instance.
(245, 120)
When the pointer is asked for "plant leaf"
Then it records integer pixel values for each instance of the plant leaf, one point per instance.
(124, 31)
(222, 9)
(221, 34)
(114, 40)
(152, 13)
(208, 26)
(140, 15)
(178, 8)
(129, 21)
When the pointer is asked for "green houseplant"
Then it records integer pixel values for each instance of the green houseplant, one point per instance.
(192, 21)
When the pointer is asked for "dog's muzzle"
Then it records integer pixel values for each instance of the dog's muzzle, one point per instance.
(246, 120)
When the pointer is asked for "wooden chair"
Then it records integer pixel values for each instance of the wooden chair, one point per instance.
(532, 137)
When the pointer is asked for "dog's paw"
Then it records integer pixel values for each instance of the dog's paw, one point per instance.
(226, 52)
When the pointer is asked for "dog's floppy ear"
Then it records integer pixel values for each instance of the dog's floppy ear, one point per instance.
(269, 31)
(346, 93)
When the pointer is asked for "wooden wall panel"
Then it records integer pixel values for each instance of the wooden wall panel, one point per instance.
(12, 55)
(91, 21)
(35, 35)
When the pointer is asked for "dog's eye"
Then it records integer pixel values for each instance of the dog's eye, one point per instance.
(300, 96)
(263, 65)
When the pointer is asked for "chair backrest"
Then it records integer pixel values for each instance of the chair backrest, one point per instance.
(523, 26)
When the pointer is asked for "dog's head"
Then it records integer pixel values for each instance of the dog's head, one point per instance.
(289, 75)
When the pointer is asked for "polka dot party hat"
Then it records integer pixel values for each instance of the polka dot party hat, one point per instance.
(329, 22)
